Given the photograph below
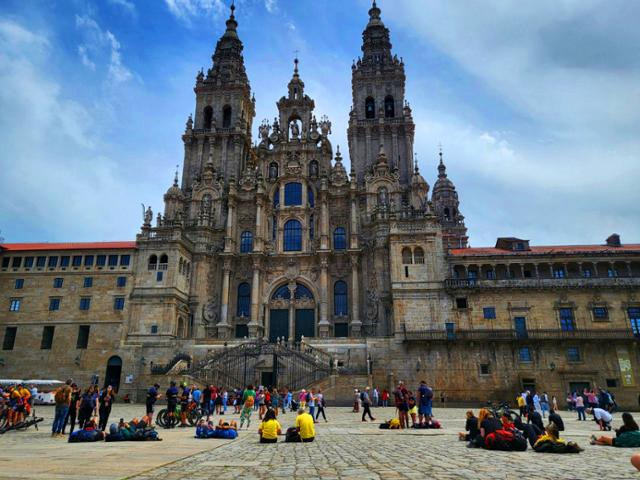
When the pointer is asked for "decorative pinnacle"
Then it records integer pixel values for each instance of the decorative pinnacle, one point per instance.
(175, 179)
(415, 161)
(233, 7)
(295, 63)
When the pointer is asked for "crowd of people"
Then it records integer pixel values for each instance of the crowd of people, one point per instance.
(16, 403)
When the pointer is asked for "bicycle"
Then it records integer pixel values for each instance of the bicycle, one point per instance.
(498, 410)
(23, 425)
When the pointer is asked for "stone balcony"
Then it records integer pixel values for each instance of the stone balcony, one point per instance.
(580, 282)
(510, 335)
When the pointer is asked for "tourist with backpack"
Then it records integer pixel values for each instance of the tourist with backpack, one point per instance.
(62, 398)
(87, 406)
(248, 400)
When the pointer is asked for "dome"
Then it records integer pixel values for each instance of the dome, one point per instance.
(174, 190)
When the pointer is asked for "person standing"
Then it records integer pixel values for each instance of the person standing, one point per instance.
(33, 390)
(172, 402)
(376, 397)
(554, 403)
(536, 403)
(311, 402)
(580, 408)
(544, 404)
(366, 404)
(321, 405)
(106, 401)
(225, 401)
(150, 401)
(401, 396)
(206, 401)
(356, 401)
(425, 410)
(248, 401)
(86, 407)
(73, 409)
(62, 399)
(385, 397)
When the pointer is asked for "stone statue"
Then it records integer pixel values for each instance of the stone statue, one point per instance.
(264, 132)
(276, 126)
(147, 216)
(295, 129)
(210, 312)
(273, 170)
(314, 124)
(325, 126)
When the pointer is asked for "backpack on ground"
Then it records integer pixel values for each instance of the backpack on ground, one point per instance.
(292, 435)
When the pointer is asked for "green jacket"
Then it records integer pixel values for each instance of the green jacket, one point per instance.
(628, 439)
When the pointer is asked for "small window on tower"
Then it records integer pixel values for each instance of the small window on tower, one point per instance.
(389, 107)
(370, 108)
(226, 116)
(208, 116)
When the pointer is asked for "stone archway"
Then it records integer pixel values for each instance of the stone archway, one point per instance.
(292, 312)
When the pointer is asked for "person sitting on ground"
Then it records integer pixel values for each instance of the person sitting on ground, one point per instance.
(135, 430)
(530, 431)
(470, 426)
(628, 435)
(551, 442)
(487, 424)
(305, 427)
(393, 424)
(269, 428)
(89, 433)
(601, 417)
(557, 419)
(535, 418)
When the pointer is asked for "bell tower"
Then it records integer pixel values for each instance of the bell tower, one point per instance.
(379, 113)
(220, 132)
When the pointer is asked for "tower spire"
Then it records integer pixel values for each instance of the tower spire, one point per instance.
(175, 179)
(442, 170)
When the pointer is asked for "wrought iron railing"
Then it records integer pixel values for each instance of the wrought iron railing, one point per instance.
(520, 335)
(294, 366)
(456, 283)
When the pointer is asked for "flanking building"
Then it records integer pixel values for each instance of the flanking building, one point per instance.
(271, 263)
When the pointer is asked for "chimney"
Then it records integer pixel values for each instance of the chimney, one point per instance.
(613, 240)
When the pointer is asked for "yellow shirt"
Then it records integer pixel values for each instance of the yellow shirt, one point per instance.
(304, 423)
(521, 401)
(270, 429)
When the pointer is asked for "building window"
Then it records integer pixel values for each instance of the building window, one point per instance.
(41, 261)
(244, 300)
(83, 336)
(57, 282)
(407, 257)
(19, 283)
(164, 262)
(64, 260)
(484, 369)
(301, 292)
(226, 116)
(121, 282)
(559, 272)
(54, 304)
(208, 115)
(28, 262)
(519, 246)
(491, 275)
(113, 260)
(293, 194)
(471, 275)
(5, 262)
(118, 303)
(9, 338)
(88, 260)
(292, 236)
(53, 262)
(389, 107)
(282, 293)
(85, 303)
(612, 382)
(101, 260)
(418, 256)
(339, 239)
(600, 313)
(567, 322)
(489, 313)
(76, 261)
(634, 319)
(370, 108)
(612, 272)
(246, 242)
(14, 305)
(573, 354)
(159, 276)
(525, 354)
(461, 303)
(340, 298)
(153, 262)
(88, 282)
(154, 328)
(47, 337)
(125, 260)
(586, 273)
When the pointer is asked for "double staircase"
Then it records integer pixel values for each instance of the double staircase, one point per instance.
(291, 365)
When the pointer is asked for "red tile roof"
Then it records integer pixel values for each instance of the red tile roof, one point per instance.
(547, 250)
(27, 247)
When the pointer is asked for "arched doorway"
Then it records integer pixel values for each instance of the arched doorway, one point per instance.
(114, 370)
(291, 312)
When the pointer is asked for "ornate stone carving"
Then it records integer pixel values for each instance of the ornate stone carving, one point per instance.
(210, 312)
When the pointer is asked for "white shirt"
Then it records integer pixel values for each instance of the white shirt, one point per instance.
(601, 414)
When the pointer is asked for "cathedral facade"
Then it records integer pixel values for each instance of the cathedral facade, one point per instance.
(275, 240)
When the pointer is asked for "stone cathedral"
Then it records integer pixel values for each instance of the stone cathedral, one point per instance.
(269, 249)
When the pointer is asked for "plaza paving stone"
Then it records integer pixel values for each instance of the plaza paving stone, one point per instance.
(345, 448)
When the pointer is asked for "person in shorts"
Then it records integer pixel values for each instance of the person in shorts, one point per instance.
(152, 397)
(425, 403)
(401, 396)
(172, 400)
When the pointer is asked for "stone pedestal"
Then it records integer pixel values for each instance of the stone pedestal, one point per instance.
(255, 330)
(323, 330)
(356, 329)
(224, 330)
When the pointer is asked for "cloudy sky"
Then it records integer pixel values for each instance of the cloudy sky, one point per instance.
(536, 105)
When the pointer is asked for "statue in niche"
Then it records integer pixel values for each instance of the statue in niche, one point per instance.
(206, 204)
(313, 169)
(273, 170)
(295, 129)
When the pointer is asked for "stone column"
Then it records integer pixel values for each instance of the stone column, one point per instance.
(224, 329)
(229, 240)
(324, 325)
(353, 243)
(254, 324)
(356, 323)
(258, 244)
(324, 217)
(292, 312)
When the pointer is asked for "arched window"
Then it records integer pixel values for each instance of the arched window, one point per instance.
(418, 255)
(447, 215)
(226, 116)
(302, 292)
(292, 236)
(339, 238)
(282, 293)
(407, 258)
(313, 168)
(383, 196)
(273, 170)
(153, 262)
(164, 258)
(244, 300)
(246, 242)
(340, 300)
(370, 108)
(293, 194)
(389, 107)
(310, 198)
(207, 117)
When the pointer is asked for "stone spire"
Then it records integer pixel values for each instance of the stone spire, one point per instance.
(228, 62)
(376, 43)
(447, 207)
